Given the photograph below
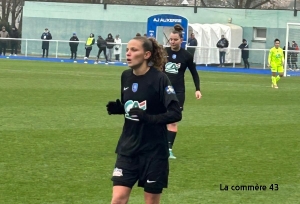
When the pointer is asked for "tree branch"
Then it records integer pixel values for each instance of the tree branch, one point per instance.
(261, 3)
(203, 3)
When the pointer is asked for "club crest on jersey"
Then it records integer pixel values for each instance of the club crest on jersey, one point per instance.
(135, 87)
(134, 104)
(172, 68)
(174, 56)
(170, 90)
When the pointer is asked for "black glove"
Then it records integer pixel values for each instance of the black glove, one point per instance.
(115, 107)
(138, 114)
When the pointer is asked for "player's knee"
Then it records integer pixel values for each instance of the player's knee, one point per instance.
(152, 195)
(119, 199)
(120, 195)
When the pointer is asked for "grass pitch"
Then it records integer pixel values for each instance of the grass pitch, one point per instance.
(57, 142)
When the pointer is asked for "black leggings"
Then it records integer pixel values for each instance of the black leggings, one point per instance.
(87, 52)
(104, 52)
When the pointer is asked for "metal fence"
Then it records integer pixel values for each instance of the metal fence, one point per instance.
(258, 58)
(246, 4)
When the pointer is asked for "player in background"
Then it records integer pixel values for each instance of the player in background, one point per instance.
(178, 61)
(149, 103)
(276, 62)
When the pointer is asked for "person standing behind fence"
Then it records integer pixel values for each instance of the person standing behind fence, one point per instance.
(88, 47)
(46, 36)
(110, 40)
(222, 45)
(192, 41)
(3, 42)
(118, 47)
(14, 43)
(245, 53)
(294, 56)
(74, 41)
(101, 43)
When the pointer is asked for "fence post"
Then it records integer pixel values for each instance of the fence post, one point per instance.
(56, 49)
(265, 52)
(26, 45)
(233, 57)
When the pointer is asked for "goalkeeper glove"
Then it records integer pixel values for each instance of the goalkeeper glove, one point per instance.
(115, 107)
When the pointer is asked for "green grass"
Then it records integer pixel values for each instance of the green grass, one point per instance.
(57, 142)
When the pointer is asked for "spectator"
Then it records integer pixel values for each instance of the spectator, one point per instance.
(118, 47)
(101, 43)
(222, 45)
(88, 47)
(3, 42)
(245, 53)
(145, 35)
(14, 43)
(111, 40)
(138, 34)
(294, 56)
(74, 41)
(192, 41)
(289, 55)
(46, 36)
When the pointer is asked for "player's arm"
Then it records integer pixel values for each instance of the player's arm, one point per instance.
(270, 57)
(193, 70)
(117, 107)
(170, 101)
(282, 58)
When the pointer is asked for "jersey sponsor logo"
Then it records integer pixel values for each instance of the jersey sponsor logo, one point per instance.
(172, 68)
(174, 56)
(135, 87)
(170, 90)
(117, 172)
(134, 104)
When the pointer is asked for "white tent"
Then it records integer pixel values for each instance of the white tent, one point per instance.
(208, 36)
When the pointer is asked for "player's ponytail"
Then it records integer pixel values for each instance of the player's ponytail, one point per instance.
(158, 55)
(178, 30)
(157, 58)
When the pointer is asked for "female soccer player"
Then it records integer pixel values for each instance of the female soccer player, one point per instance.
(149, 103)
(276, 62)
(178, 61)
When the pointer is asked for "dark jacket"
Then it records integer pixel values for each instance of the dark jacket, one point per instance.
(245, 53)
(101, 43)
(192, 42)
(223, 43)
(45, 37)
(14, 34)
(110, 39)
(74, 45)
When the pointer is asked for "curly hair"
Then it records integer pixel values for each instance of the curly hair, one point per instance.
(157, 58)
(178, 30)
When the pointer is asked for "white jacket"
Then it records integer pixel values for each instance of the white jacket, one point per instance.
(119, 46)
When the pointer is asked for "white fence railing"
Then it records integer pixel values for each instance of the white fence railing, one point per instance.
(203, 55)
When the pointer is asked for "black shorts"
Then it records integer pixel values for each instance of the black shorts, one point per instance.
(151, 173)
(181, 99)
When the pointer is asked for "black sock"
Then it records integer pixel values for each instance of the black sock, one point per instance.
(171, 138)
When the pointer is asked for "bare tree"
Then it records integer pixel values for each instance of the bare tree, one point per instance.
(10, 7)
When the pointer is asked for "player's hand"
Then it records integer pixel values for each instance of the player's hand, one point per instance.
(137, 113)
(198, 94)
(115, 107)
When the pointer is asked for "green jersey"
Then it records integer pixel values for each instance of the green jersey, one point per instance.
(276, 56)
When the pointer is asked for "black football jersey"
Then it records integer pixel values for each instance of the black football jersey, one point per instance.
(153, 93)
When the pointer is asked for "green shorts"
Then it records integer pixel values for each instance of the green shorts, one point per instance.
(277, 68)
